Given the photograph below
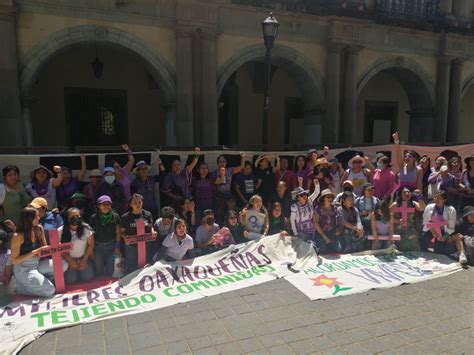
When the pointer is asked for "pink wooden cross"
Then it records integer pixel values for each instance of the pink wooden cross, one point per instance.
(385, 237)
(55, 250)
(141, 239)
(436, 224)
(404, 210)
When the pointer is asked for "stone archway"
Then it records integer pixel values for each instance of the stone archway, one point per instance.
(159, 67)
(302, 71)
(419, 88)
(59, 42)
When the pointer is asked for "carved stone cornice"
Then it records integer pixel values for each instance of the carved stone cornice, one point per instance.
(348, 33)
(453, 46)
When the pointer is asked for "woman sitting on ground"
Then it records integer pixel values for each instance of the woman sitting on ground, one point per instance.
(254, 218)
(407, 229)
(31, 273)
(81, 235)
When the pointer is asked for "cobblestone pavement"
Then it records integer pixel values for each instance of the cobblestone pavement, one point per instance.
(435, 316)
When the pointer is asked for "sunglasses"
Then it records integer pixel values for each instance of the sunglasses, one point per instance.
(409, 156)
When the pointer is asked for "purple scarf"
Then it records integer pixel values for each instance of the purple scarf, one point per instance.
(41, 189)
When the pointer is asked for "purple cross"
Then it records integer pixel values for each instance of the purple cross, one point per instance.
(436, 224)
(404, 210)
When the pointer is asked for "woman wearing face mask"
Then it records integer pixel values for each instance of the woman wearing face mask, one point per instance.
(13, 196)
(254, 218)
(70, 185)
(30, 272)
(81, 235)
(410, 174)
(383, 179)
(44, 185)
(110, 187)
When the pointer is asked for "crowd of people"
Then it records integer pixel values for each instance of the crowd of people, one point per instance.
(429, 206)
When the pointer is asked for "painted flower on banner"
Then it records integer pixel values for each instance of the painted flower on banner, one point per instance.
(330, 282)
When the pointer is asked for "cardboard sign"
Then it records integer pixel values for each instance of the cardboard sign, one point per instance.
(62, 248)
(141, 239)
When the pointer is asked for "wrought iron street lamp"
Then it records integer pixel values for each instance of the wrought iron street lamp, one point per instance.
(270, 31)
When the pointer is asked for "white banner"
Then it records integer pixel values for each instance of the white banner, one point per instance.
(157, 286)
(334, 276)
(238, 266)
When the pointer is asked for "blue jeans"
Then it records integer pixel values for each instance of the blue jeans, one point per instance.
(334, 247)
(72, 276)
(33, 277)
(104, 258)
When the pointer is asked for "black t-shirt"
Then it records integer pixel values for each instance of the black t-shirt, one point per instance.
(105, 233)
(268, 183)
(129, 219)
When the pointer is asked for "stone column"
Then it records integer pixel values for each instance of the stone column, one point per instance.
(333, 89)
(447, 6)
(210, 116)
(455, 98)
(350, 95)
(170, 120)
(460, 8)
(10, 107)
(184, 88)
(442, 99)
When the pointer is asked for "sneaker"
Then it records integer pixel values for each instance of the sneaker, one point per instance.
(462, 259)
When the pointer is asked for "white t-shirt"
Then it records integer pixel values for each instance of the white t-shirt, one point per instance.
(79, 246)
(176, 248)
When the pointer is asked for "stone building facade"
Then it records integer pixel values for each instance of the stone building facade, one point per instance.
(184, 72)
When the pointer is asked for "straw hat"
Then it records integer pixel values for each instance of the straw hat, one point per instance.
(261, 157)
(325, 192)
(354, 158)
(141, 164)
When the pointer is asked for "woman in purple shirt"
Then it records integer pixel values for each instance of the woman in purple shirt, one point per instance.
(144, 184)
(69, 184)
(301, 170)
(122, 174)
(177, 183)
(203, 190)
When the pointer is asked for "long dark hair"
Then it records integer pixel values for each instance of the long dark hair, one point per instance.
(25, 222)
(66, 235)
(295, 163)
(282, 217)
(399, 199)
